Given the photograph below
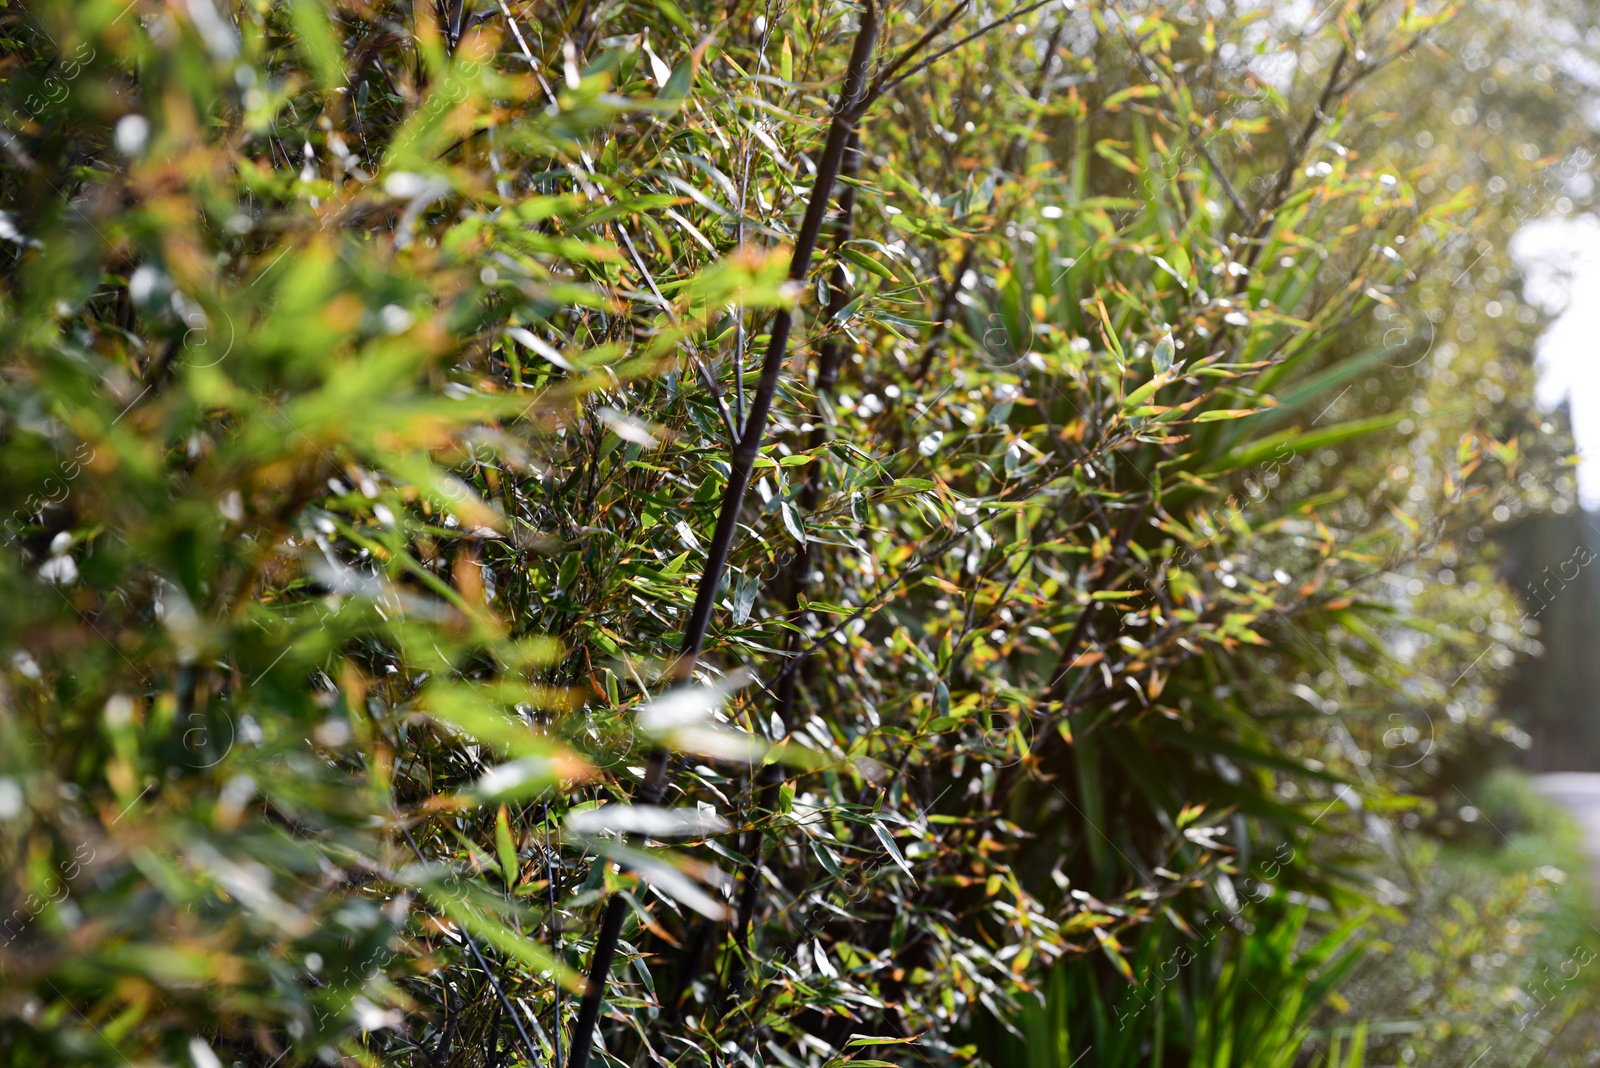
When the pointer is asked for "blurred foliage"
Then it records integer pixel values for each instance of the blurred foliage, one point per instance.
(1489, 957)
(371, 376)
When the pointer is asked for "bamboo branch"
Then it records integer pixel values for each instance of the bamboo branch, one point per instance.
(1194, 132)
(1015, 156)
(1268, 210)
(884, 84)
(627, 241)
(916, 46)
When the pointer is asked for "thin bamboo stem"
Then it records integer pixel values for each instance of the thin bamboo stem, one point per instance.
(742, 464)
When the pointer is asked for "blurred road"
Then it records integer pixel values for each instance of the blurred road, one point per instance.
(1579, 793)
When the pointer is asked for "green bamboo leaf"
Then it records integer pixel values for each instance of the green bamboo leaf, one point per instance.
(867, 263)
(507, 852)
(791, 521)
(1300, 442)
(889, 845)
(1161, 358)
(827, 858)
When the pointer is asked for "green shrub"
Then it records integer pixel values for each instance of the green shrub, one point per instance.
(377, 380)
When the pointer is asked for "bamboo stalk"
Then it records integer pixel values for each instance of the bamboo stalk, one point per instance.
(743, 459)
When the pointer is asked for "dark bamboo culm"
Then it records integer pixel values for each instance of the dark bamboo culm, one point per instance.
(846, 113)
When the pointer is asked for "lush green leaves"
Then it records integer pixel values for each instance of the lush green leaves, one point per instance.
(372, 375)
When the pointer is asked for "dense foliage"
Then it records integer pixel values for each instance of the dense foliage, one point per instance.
(380, 382)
